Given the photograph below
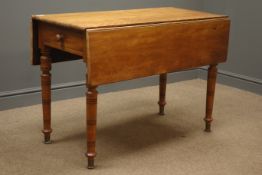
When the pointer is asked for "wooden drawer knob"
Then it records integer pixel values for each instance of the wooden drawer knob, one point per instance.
(59, 37)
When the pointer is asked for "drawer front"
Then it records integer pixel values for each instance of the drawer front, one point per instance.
(62, 38)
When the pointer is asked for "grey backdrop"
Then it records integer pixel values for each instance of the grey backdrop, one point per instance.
(246, 39)
(19, 80)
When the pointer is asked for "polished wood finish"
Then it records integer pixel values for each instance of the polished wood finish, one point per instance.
(211, 84)
(162, 93)
(118, 18)
(91, 112)
(57, 55)
(109, 19)
(128, 44)
(155, 49)
(46, 93)
(68, 40)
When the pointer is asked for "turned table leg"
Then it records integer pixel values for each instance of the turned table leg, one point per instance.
(211, 83)
(46, 93)
(162, 93)
(91, 112)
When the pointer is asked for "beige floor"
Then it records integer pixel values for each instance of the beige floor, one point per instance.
(133, 139)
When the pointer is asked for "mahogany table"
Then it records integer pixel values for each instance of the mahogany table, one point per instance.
(128, 44)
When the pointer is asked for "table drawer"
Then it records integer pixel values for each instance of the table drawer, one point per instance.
(62, 38)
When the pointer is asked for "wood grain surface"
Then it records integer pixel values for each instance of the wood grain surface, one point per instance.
(123, 53)
(44, 28)
(87, 20)
(69, 40)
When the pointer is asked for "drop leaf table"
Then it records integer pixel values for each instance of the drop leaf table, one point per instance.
(128, 44)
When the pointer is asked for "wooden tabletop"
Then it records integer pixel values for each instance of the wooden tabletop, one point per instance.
(90, 20)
